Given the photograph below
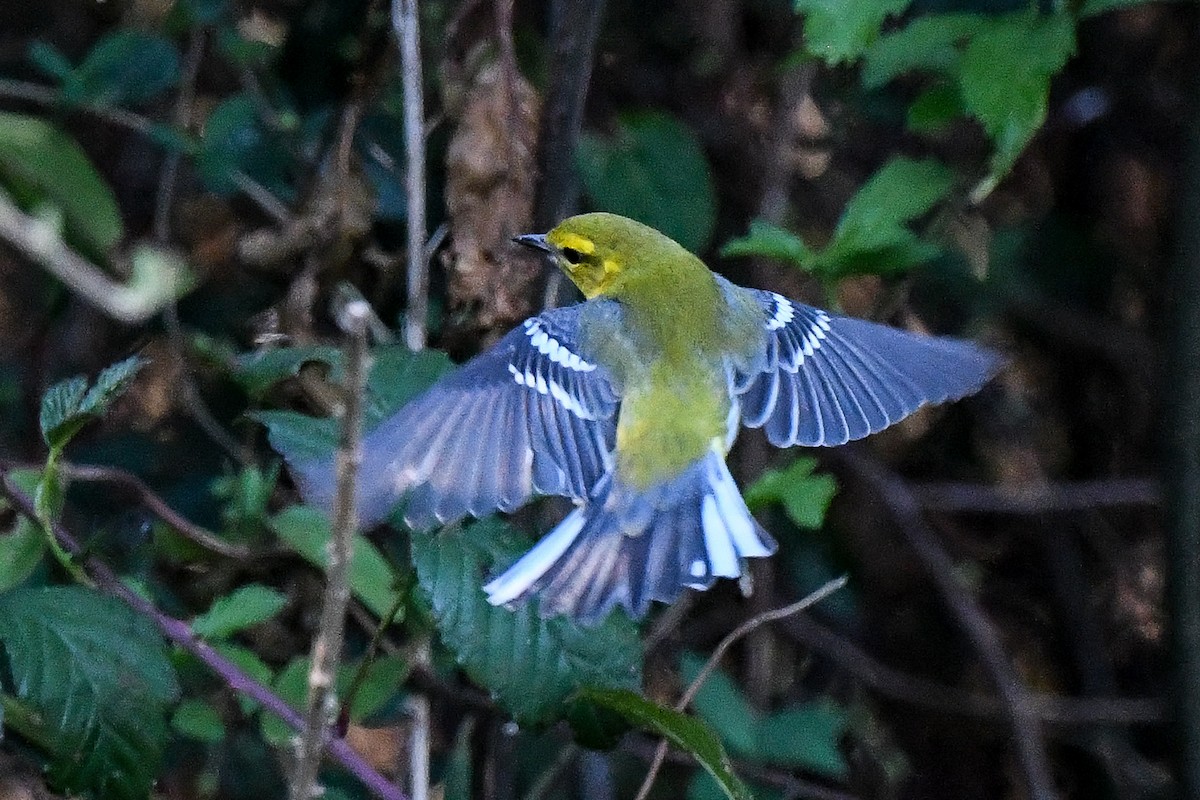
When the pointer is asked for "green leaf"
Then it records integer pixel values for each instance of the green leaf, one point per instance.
(932, 43)
(804, 735)
(260, 371)
(246, 607)
(842, 30)
(935, 108)
(652, 169)
(40, 165)
(529, 664)
(397, 375)
(769, 241)
(197, 719)
(23, 546)
(60, 418)
(128, 66)
(250, 663)
(686, 733)
(110, 384)
(902, 190)
(50, 60)
(298, 437)
(69, 405)
(307, 531)
(1005, 80)
(98, 677)
(236, 140)
(804, 495)
(385, 677)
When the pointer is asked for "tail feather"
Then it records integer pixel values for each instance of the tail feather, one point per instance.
(626, 547)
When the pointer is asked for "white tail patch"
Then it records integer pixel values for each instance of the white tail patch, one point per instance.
(517, 579)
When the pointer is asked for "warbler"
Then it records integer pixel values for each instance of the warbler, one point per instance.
(628, 403)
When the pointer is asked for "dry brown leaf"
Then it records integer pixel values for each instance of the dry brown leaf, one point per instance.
(491, 174)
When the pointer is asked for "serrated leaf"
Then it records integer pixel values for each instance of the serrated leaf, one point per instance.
(110, 384)
(804, 496)
(931, 43)
(128, 66)
(69, 405)
(59, 417)
(805, 735)
(531, 665)
(24, 545)
(765, 240)
(652, 169)
(1005, 78)
(686, 733)
(197, 719)
(39, 164)
(842, 30)
(99, 677)
(307, 531)
(245, 607)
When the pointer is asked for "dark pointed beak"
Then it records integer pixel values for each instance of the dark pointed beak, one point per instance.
(534, 241)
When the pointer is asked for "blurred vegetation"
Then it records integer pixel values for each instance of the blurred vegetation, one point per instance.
(189, 191)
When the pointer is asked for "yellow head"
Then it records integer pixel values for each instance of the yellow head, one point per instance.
(605, 254)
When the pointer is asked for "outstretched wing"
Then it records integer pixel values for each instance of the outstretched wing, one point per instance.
(530, 415)
(829, 379)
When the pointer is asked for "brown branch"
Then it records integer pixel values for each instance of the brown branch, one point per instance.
(1039, 498)
(180, 634)
(405, 21)
(327, 645)
(719, 652)
(1028, 740)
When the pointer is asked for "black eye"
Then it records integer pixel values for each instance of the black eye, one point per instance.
(572, 255)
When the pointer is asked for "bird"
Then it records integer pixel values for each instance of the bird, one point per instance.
(628, 404)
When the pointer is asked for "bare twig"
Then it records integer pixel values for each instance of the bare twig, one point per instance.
(1026, 725)
(906, 688)
(405, 23)
(181, 635)
(714, 660)
(41, 240)
(327, 645)
(1039, 498)
(49, 97)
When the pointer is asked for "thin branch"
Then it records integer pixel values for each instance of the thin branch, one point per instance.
(41, 241)
(906, 511)
(192, 402)
(718, 654)
(405, 21)
(327, 645)
(1039, 498)
(49, 97)
(178, 633)
(916, 691)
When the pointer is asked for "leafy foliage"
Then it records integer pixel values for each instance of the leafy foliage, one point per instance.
(71, 404)
(804, 495)
(838, 32)
(94, 682)
(124, 67)
(530, 664)
(43, 168)
(872, 236)
(804, 735)
(653, 170)
(244, 607)
(686, 733)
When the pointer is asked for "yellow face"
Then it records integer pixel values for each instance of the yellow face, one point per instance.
(590, 265)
